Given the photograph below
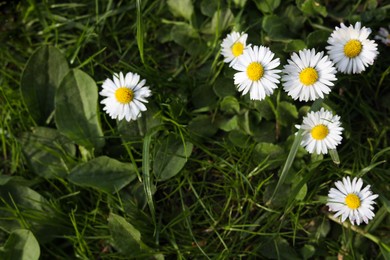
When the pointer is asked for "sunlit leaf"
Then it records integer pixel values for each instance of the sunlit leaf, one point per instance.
(21, 245)
(40, 80)
(267, 6)
(77, 110)
(48, 152)
(181, 8)
(170, 157)
(104, 174)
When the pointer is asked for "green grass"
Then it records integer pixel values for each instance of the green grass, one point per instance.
(239, 194)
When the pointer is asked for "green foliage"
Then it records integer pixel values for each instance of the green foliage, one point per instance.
(103, 173)
(41, 78)
(21, 244)
(205, 172)
(76, 113)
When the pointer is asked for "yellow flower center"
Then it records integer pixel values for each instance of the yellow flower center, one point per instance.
(319, 132)
(237, 49)
(124, 95)
(255, 71)
(352, 201)
(308, 76)
(352, 48)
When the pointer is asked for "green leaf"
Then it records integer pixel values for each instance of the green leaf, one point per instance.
(76, 110)
(21, 245)
(229, 124)
(239, 138)
(278, 248)
(222, 19)
(202, 125)
(276, 28)
(230, 105)
(170, 157)
(267, 6)
(224, 87)
(307, 251)
(104, 174)
(317, 39)
(181, 8)
(208, 7)
(188, 37)
(41, 78)
(311, 7)
(273, 152)
(294, 46)
(126, 238)
(287, 113)
(48, 152)
(22, 207)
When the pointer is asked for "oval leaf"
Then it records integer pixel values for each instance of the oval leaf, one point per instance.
(48, 152)
(181, 8)
(76, 110)
(41, 78)
(104, 174)
(22, 245)
(170, 157)
(126, 238)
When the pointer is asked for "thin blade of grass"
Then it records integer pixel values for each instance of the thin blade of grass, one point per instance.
(291, 155)
(140, 32)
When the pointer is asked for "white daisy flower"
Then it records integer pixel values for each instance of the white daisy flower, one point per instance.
(349, 200)
(383, 36)
(257, 74)
(321, 131)
(308, 76)
(350, 49)
(233, 46)
(124, 96)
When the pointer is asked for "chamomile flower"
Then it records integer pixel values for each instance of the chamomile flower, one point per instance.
(321, 131)
(125, 96)
(349, 200)
(256, 72)
(233, 46)
(350, 49)
(307, 76)
(383, 36)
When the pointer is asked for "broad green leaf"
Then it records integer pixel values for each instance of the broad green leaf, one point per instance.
(224, 86)
(312, 7)
(22, 207)
(272, 152)
(203, 126)
(239, 138)
(267, 6)
(295, 19)
(287, 113)
(41, 78)
(317, 39)
(203, 96)
(276, 27)
(294, 46)
(77, 110)
(229, 124)
(181, 8)
(126, 238)
(104, 174)
(188, 37)
(48, 152)
(307, 251)
(208, 7)
(21, 245)
(230, 105)
(170, 157)
(264, 132)
(222, 19)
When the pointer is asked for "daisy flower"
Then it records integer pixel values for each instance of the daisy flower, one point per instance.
(321, 131)
(350, 49)
(349, 200)
(233, 46)
(257, 74)
(308, 76)
(124, 96)
(383, 36)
